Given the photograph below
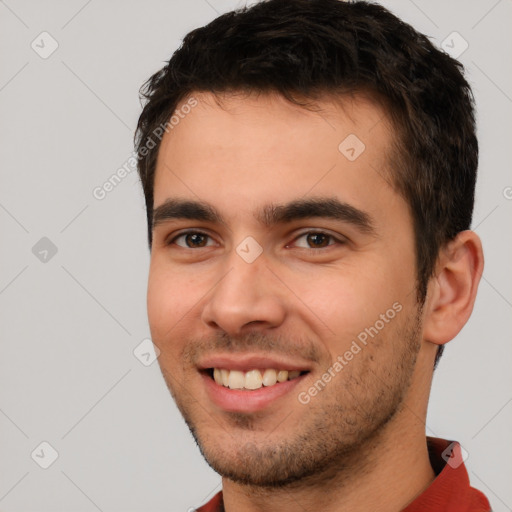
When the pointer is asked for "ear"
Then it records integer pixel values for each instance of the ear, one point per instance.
(452, 291)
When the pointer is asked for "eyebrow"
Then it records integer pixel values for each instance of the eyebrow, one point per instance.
(270, 214)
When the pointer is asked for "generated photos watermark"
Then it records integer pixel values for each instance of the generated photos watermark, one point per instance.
(100, 192)
(357, 345)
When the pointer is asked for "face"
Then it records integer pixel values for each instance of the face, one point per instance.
(282, 287)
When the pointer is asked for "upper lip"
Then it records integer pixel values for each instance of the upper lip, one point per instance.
(246, 362)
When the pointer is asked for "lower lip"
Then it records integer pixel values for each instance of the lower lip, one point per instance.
(236, 400)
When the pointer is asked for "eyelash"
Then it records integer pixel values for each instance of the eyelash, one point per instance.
(305, 233)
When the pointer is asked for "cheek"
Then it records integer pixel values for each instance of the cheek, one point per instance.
(344, 302)
(166, 301)
(174, 298)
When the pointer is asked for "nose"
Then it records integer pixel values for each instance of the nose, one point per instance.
(248, 295)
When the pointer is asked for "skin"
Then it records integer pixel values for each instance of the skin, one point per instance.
(359, 444)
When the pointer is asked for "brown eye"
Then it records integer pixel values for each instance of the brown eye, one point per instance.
(318, 239)
(192, 240)
(195, 240)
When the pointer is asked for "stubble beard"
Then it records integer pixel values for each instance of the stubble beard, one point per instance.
(334, 436)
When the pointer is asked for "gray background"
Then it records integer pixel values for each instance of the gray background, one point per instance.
(70, 321)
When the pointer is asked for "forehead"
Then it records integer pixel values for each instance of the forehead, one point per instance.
(241, 148)
(240, 112)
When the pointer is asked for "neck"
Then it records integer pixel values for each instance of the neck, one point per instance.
(386, 474)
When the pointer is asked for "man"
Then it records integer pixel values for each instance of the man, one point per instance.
(309, 170)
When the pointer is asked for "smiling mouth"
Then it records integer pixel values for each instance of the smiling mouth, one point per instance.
(252, 379)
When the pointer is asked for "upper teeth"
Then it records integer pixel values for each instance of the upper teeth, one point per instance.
(253, 379)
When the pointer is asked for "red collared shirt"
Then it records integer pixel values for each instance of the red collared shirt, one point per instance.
(449, 492)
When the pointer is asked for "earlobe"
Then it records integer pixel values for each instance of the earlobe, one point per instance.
(452, 290)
